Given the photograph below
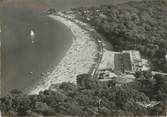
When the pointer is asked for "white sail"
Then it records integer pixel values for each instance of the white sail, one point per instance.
(32, 34)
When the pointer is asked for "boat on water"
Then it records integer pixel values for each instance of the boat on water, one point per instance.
(32, 34)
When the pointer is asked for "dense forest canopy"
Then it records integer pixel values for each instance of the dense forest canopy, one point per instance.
(134, 25)
(91, 97)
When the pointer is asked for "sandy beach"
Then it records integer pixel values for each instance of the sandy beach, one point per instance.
(78, 59)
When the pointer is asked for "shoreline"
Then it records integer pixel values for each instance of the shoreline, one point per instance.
(79, 59)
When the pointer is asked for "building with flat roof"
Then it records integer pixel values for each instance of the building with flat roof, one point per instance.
(136, 60)
(128, 61)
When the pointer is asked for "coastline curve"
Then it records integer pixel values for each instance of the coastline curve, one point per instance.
(78, 60)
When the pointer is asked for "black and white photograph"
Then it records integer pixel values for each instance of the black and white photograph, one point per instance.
(83, 58)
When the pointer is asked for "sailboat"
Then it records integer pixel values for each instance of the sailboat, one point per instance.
(32, 34)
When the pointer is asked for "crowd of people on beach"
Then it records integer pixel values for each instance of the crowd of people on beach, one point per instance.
(78, 59)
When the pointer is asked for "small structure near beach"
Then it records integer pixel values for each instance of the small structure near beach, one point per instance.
(51, 11)
(106, 74)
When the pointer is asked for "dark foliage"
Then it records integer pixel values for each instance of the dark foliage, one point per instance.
(155, 88)
(91, 97)
(134, 25)
(88, 98)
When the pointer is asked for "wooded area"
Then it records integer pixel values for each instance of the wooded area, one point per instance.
(134, 25)
(91, 97)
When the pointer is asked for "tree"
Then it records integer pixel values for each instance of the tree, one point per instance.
(85, 81)
(160, 87)
(42, 108)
